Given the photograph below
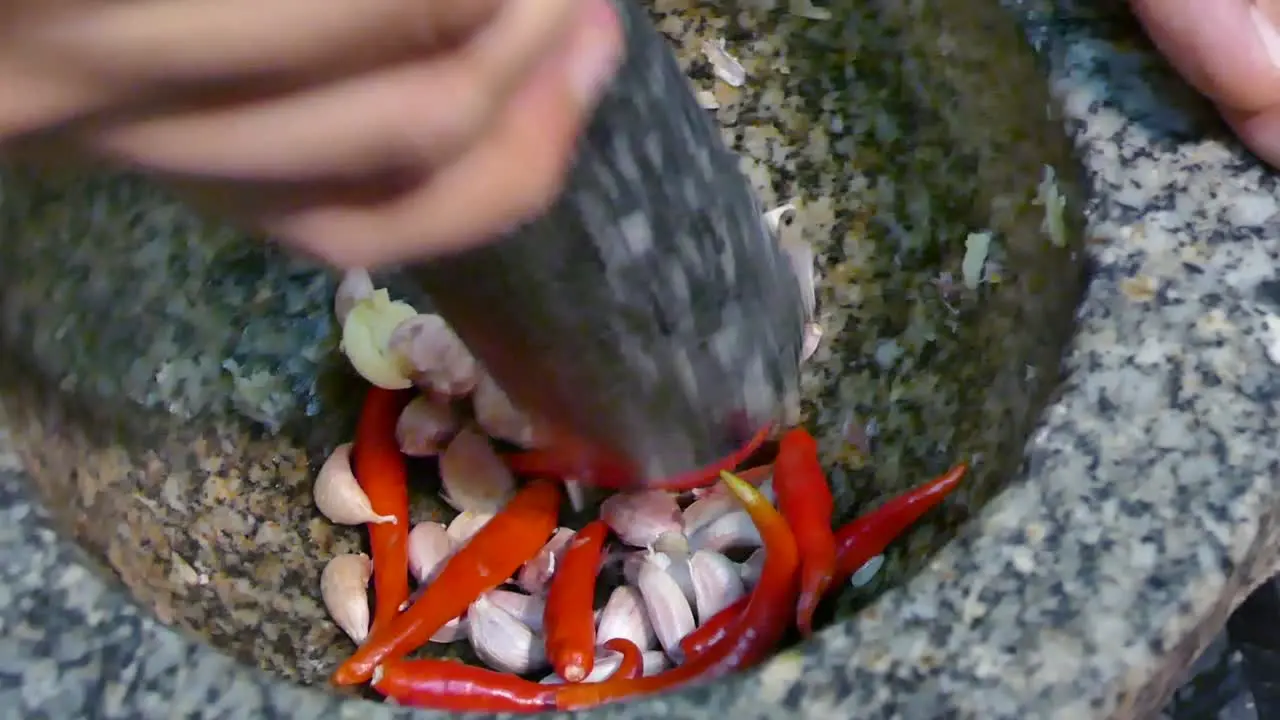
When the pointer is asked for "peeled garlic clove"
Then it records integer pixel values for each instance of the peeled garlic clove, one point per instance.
(498, 417)
(466, 525)
(525, 608)
(426, 426)
(733, 530)
(344, 584)
(356, 285)
(436, 357)
(366, 337)
(535, 574)
(717, 583)
(338, 494)
(472, 476)
(751, 568)
(429, 547)
(640, 518)
(708, 508)
(502, 642)
(452, 631)
(665, 603)
(624, 616)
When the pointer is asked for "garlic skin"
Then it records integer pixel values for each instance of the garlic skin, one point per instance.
(749, 570)
(502, 642)
(534, 575)
(426, 426)
(435, 356)
(812, 340)
(625, 616)
(472, 476)
(465, 526)
(717, 583)
(528, 609)
(865, 574)
(498, 417)
(366, 337)
(665, 603)
(356, 285)
(707, 508)
(732, 530)
(456, 629)
(606, 664)
(338, 495)
(344, 588)
(429, 548)
(640, 518)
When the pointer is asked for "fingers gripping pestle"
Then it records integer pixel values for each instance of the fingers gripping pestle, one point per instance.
(648, 315)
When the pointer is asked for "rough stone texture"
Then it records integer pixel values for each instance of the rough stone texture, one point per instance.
(1143, 512)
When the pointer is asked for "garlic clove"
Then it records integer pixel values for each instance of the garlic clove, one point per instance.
(501, 641)
(452, 631)
(426, 426)
(535, 574)
(344, 588)
(338, 495)
(466, 525)
(751, 568)
(577, 493)
(717, 583)
(366, 335)
(640, 518)
(500, 418)
(674, 544)
(472, 476)
(528, 609)
(429, 548)
(607, 662)
(777, 218)
(436, 357)
(676, 565)
(356, 285)
(624, 616)
(707, 508)
(665, 603)
(732, 530)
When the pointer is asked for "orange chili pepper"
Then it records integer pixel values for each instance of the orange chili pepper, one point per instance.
(766, 618)
(496, 551)
(804, 497)
(380, 469)
(455, 687)
(868, 536)
(632, 664)
(568, 619)
(712, 631)
(603, 472)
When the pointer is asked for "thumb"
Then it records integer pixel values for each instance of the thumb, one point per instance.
(1228, 49)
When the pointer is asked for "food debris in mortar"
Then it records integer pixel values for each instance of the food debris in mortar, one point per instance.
(507, 578)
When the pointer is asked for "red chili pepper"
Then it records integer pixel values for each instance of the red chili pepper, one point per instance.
(496, 551)
(632, 664)
(867, 536)
(712, 631)
(601, 471)
(455, 687)
(568, 619)
(380, 469)
(766, 618)
(804, 497)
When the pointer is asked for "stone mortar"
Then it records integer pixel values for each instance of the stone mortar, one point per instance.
(163, 382)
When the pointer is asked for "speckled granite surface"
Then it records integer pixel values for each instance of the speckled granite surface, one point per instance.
(1145, 511)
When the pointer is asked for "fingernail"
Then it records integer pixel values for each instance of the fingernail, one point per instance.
(1267, 32)
(597, 52)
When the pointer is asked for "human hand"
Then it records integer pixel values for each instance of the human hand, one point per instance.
(1230, 51)
(362, 133)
